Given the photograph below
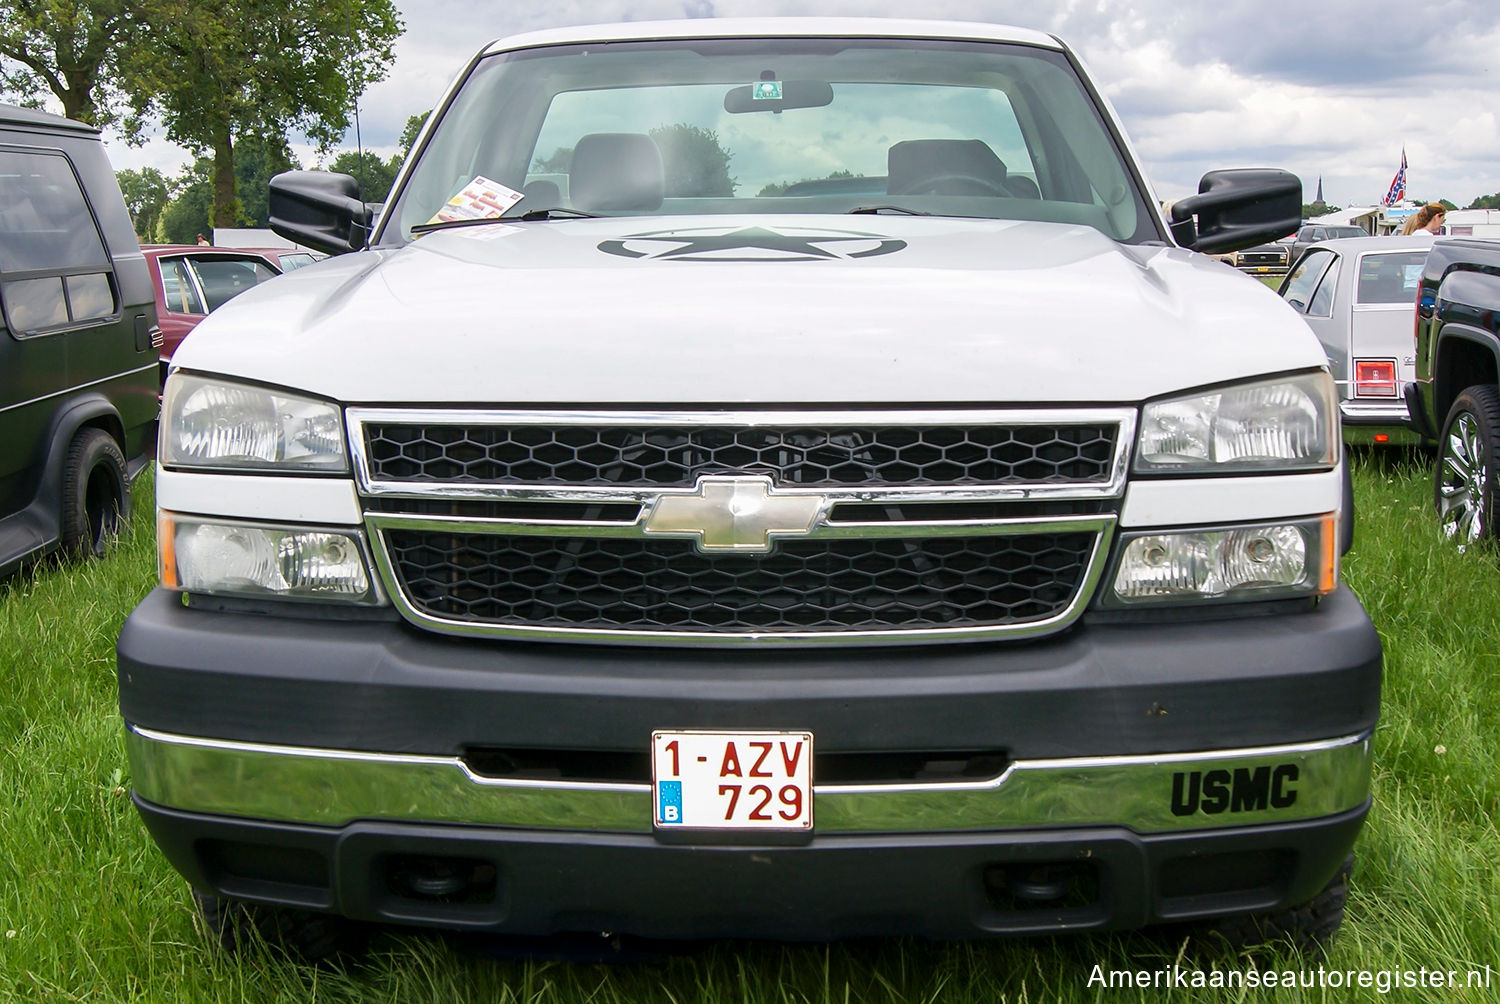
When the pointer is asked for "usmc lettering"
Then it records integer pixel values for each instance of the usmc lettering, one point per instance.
(1244, 789)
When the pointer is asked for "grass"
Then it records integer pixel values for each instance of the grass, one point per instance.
(90, 911)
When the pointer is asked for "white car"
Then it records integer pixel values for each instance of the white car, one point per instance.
(774, 478)
(1359, 296)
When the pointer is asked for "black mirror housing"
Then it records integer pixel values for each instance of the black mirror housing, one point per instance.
(321, 210)
(1238, 209)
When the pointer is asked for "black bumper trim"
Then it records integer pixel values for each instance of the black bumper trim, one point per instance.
(1096, 690)
(939, 886)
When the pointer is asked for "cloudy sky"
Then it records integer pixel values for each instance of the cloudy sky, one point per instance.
(1334, 90)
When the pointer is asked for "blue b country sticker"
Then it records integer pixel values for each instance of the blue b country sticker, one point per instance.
(669, 802)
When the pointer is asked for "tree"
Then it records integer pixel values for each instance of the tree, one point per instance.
(73, 48)
(187, 215)
(1485, 202)
(146, 193)
(257, 159)
(374, 175)
(221, 70)
(1312, 210)
(414, 125)
(694, 165)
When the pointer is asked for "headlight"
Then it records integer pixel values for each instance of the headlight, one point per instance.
(1269, 561)
(1283, 424)
(215, 424)
(206, 556)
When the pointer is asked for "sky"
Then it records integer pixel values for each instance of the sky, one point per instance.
(1335, 90)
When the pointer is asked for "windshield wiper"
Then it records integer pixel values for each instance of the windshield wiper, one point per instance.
(425, 228)
(876, 210)
(555, 212)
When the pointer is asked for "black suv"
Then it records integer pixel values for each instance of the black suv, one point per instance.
(78, 341)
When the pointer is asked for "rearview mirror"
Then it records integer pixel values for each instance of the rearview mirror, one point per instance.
(1238, 209)
(321, 210)
(778, 95)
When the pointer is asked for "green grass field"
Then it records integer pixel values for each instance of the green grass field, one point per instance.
(90, 911)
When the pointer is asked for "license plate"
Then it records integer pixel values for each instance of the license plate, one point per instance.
(732, 780)
(1264, 268)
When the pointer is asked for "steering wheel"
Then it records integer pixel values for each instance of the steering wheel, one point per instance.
(958, 184)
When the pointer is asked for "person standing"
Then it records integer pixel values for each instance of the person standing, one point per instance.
(1427, 220)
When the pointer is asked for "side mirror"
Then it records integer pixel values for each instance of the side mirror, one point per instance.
(1238, 209)
(321, 210)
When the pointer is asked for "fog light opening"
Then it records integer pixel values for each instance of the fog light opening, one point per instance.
(441, 880)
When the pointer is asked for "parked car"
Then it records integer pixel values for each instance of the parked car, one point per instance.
(78, 342)
(1263, 259)
(1455, 396)
(1311, 233)
(955, 556)
(290, 259)
(191, 281)
(1359, 296)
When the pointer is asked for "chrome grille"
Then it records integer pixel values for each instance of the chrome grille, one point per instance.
(925, 525)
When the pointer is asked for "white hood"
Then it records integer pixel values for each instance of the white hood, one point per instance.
(795, 310)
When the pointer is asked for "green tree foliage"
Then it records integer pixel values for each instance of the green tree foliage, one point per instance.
(414, 125)
(187, 215)
(218, 71)
(257, 160)
(1485, 202)
(694, 165)
(1312, 210)
(147, 193)
(373, 174)
(73, 49)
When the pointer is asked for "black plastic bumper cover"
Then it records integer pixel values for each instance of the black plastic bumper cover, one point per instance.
(939, 886)
(1099, 689)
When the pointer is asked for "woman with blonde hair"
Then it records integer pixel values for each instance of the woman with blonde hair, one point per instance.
(1426, 220)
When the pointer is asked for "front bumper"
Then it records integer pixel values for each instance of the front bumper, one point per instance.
(322, 765)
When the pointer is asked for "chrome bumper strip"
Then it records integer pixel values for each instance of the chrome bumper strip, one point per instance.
(1147, 794)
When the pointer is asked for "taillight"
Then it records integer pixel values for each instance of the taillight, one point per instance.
(1375, 377)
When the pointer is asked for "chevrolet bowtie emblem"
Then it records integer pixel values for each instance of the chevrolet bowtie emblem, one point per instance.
(734, 514)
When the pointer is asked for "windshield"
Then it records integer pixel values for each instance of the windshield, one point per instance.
(734, 126)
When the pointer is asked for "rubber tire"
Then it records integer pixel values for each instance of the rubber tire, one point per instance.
(304, 935)
(94, 493)
(1481, 404)
(1309, 928)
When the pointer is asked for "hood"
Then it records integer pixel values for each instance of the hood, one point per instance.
(801, 310)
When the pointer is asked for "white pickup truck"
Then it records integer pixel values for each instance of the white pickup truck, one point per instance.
(774, 478)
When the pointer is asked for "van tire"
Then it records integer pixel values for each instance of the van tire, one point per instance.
(94, 493)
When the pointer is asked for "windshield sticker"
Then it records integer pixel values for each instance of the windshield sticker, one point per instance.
(766, 90)
(480, 199)
(753, 244)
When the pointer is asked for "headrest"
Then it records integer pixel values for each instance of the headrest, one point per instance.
(618, 171)
(914, 163)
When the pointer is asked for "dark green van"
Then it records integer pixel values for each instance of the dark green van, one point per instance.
(78, 341)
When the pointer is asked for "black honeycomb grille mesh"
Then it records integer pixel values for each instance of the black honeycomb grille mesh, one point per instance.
(674, 456)
(804, 585)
